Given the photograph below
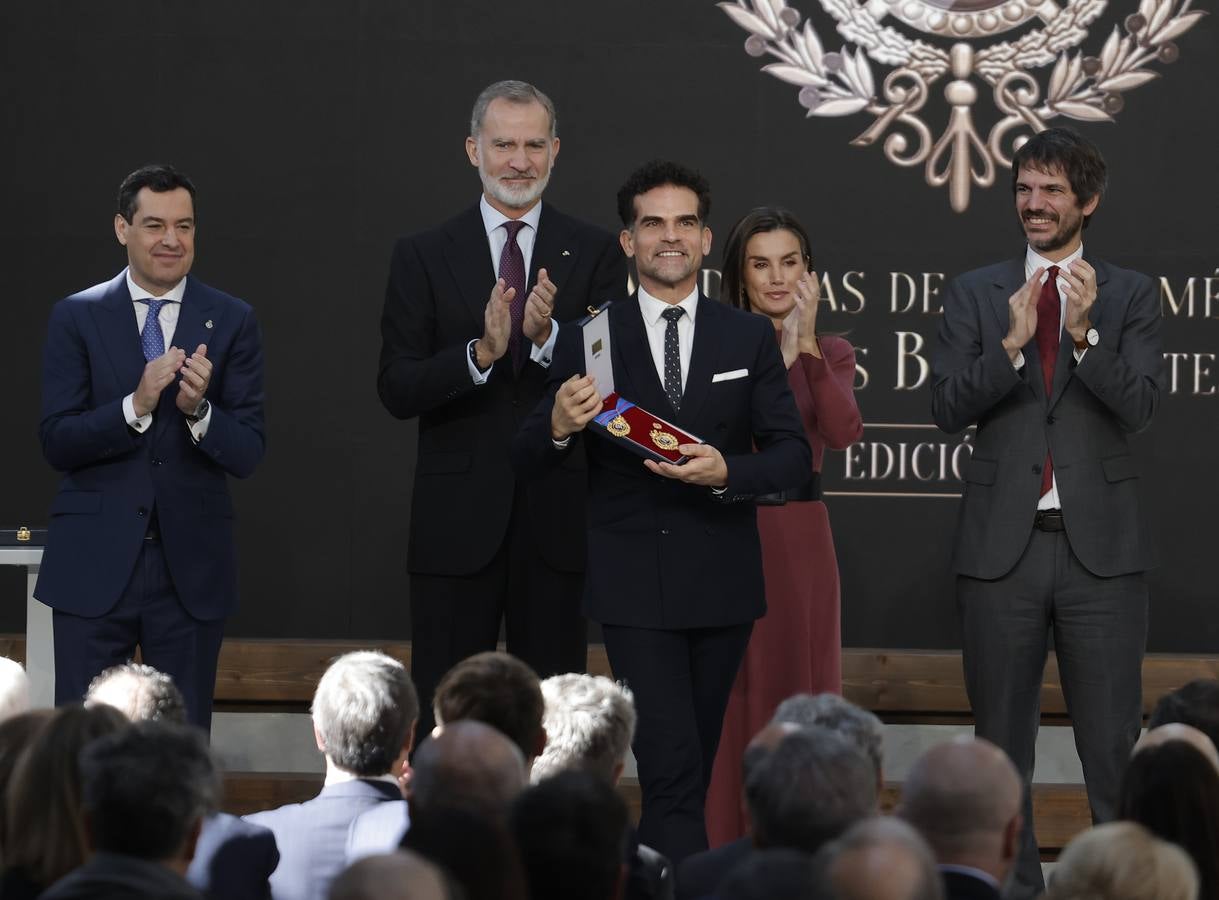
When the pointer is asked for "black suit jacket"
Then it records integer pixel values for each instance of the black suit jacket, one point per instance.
(439, 284)
(962, 886)
(1084, 423)
(700, 875)
(663, 554)
(113, 876)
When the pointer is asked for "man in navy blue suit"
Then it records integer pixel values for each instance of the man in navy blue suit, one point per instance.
(151, 396)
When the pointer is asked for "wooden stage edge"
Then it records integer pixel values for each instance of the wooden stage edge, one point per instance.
(900, 686)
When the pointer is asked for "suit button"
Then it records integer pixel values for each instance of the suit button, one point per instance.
(1049, 420)
(141, 512)
(664, 531)
(1036, 468)
(158, 462)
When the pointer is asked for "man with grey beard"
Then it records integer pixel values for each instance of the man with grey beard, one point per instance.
(472, 311)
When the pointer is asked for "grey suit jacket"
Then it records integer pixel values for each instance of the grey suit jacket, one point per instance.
(312, 836)
(1084, 422)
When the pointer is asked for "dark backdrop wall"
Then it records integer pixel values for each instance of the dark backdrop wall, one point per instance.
(318, 130)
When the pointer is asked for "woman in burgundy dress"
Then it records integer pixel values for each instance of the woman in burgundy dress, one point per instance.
(796, 646)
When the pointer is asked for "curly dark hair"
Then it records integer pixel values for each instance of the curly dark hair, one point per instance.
(658, 173)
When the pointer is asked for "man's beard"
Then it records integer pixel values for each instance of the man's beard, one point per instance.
(1062, 236)
(521, 197)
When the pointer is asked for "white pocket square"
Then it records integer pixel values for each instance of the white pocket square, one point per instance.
(729, 376)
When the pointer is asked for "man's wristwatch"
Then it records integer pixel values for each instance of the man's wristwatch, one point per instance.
(1091, 339)
(200, 412)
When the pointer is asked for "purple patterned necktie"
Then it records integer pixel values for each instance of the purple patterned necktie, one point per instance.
(152, 339)
(512, 270)
(673, 356)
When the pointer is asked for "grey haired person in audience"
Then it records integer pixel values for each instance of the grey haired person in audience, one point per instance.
(233, 859)
(1122, 861)
(839, 715)
(880, 858)
(401, 875)
(364, 714)
(14, 689)
(590, 722)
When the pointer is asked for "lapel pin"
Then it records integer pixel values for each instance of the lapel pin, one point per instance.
(207, 324)
(567, 253)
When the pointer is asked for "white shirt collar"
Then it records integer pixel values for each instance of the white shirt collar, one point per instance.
(335, 775)
(1034, 260)
(175, 293)
(653, 308)
(493, 218)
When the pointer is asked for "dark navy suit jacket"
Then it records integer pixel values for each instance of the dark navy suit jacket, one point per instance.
(233, 859)
(113, 477)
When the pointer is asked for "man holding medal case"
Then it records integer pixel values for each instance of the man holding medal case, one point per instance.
(674, 571)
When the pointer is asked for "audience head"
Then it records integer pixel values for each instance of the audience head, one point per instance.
(402, 875)
(1122, 861)
(809, 789)
(466, 764)
(1172, 789)
(854, 723)
(881, 858)
(779, 874)
(589, 722)
(43, 822)
(139, 692)
(364, 713)
(1196, 704)
(571, 833)
(474, 848)
(964, 797)
(16, 733)
(498, 690)
(1175, 731)
(146, 790)
(14, 688)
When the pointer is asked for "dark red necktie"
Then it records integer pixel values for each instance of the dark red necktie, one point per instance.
(512, 270)
(1049, 319)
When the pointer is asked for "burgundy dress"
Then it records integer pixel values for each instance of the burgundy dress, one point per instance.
(797, 646)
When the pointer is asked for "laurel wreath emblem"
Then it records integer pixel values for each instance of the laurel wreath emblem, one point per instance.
(842, 83)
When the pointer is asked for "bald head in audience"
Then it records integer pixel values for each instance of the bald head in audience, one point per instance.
(964, 798)
(140, 692)
(466, 764)
(402, 875)
(881, 858)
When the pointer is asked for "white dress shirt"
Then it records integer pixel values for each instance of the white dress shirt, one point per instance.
(1032, 262)
(497, 238)
(655, 325)
(168, 320)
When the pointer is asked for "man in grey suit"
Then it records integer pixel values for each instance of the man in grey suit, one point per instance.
(1056, 357)
(364, 714)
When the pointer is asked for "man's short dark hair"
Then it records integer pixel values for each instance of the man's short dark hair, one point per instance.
(140, 692)
(498, 690)
(1064, 150)
(364, 708)
(659, 173)
(144, 788)
(158, 178)
(1196, 704)
(808, 790)
(571, 832)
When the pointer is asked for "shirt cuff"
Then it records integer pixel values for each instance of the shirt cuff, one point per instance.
(1079, 354)
(544, 354)
(199, 429)
(477, 376)
(1019, 363)
(139, 423)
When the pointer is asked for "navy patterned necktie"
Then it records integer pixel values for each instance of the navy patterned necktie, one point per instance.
(152, 339)
(673, 356)
(512, 270)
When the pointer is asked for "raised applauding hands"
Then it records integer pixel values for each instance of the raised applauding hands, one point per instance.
(800, 326)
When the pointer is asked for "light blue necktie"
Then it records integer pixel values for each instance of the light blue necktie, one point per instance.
(151, 338)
